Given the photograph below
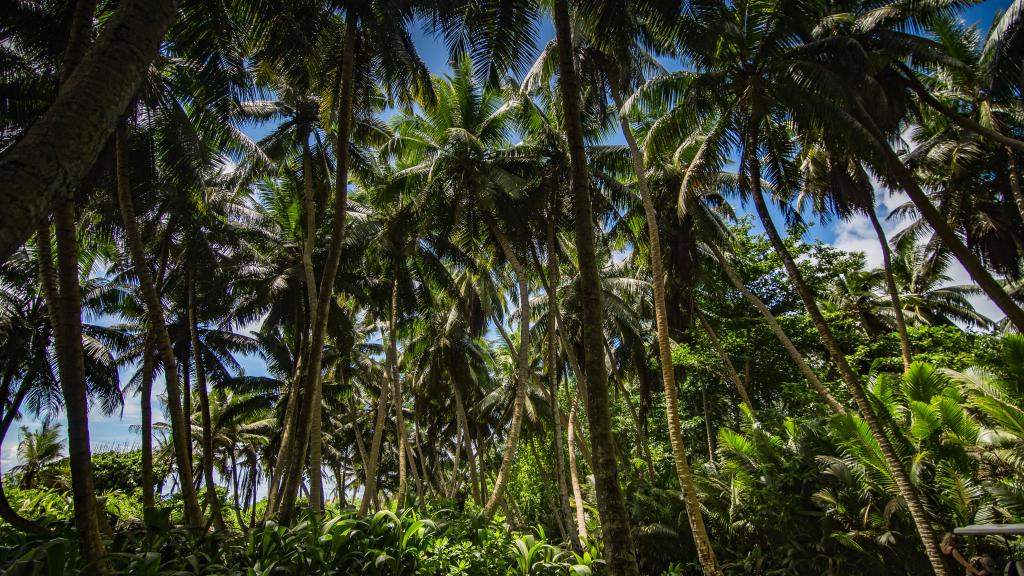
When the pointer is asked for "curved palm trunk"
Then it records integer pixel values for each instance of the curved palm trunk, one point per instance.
(204, 404)
(522, 369)
(730, 370)
(574, 473)
(193, 517)
(618, 536)
(7, 512)
(894, 293)
(370, 467)
(899, 472)
(779, 333)
(553, 380)
(705, 551)
(311, 397)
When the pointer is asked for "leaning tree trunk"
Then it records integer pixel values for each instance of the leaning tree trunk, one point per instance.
(899, 472)
(60, 148)
(705, 551)
(155, 310)
(894, 293)
(7, 512)
(312, 395)
(204, 403)
(618, 537)
(522, 372)
(723, 355)
(574, 473)
(1015, 187)
(460, 415)
(370, 464)
(553, 377)
(779, 333)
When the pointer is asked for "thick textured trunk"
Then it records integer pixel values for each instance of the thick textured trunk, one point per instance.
(723, 355)
(705, 552)
(551, 363)
(155, 310)
(618, 537)
(204, 404)
(779, 333)
(852, 381)
(57, 152)
(522, 372)
(894, 293)
(311, 397)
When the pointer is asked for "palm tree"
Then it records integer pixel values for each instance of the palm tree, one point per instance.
(39, 452)
(738, 97)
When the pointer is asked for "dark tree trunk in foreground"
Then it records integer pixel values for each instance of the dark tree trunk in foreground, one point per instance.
(618, 539)
(56, 153)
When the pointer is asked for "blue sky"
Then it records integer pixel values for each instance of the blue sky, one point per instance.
(109, 431)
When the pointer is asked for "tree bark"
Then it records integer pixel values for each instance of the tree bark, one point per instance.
(618, 537)
(460, 414)
(894, 293)
(154, 308)
(705, 551)
(574, 474)
(316, 485)
(204, 403)
(551, 364)
(313, 383)
(396, 385)
(60, 148)
(522, 372)
(900, 475)
(370, 469)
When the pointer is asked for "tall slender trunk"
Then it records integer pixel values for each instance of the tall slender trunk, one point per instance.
(311, 398)
(574, 474)
(899, 472)
(619, 552)
(634, 414)
(146, 393)
(193, 517)
(522, 372)
(1015, 187)
(460, 415)
(397, 401)
(235, 490)
(185, 364)
(890, 284)
(204, 403)
(370, 468)
(707, 425)
(551, 363)
(779, 333)
(705, 551)
(723, 355)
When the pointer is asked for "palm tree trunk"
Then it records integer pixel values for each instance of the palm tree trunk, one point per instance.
(553, 281)
(894, 293)
(776, 329)
(705, 551)
(204, 403)
(618, 537)
(60, 148)
(522, 370)
(370, 469)
(234, 491)
(7, 512)
(311, 398)
(1015, 187)
(193, 518)
(574, 474)
(723, 355)
(146, 393)
(707, 425)
(460, 415)
(899, 472)
(397, 400)
(645, 451)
